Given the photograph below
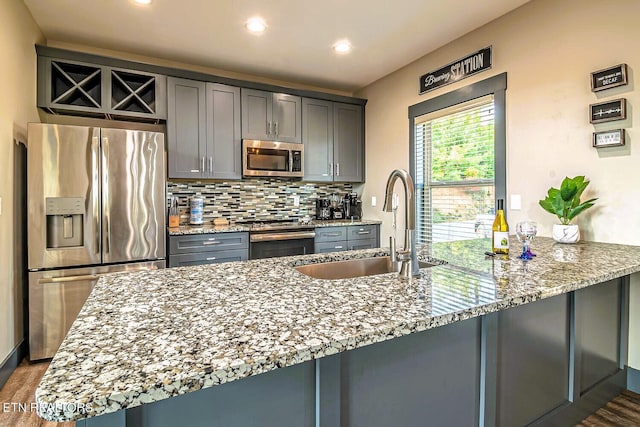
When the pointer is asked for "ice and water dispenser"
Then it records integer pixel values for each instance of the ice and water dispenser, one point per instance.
(65, 222)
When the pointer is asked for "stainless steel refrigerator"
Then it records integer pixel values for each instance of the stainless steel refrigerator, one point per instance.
(96, 203)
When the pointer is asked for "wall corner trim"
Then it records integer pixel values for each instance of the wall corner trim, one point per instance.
(633, 379)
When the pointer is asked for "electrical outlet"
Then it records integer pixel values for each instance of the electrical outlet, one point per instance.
(373, 200)
(296, 200)
(516, 202)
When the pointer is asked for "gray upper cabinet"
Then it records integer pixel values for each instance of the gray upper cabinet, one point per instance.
(333, 141)
(224, 140)
(186, 128)
(317, 137)
(203, 130)
(271, 116)
(100, 91)
(348, 142)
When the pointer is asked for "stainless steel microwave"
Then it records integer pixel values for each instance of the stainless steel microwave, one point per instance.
(270, 158)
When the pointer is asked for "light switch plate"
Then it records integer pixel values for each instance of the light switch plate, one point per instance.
(373, 200)
(516, 202)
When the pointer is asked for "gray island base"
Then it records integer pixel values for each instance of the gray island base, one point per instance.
(478, 341)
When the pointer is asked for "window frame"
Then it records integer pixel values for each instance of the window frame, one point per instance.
(496, 86)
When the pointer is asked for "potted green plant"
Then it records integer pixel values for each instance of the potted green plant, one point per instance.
(565, 204)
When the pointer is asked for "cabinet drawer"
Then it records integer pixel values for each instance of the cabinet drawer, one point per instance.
(330, 247)
(330, 234)
(357, 232)
(208, 242)
(362, 244)
(216, 257)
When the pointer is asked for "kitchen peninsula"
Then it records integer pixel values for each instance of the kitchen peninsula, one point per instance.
(474, 340)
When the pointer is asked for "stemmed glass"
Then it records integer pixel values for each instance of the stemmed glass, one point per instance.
(526, 231)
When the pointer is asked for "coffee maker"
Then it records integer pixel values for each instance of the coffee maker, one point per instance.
(323, 208)
(352, 206)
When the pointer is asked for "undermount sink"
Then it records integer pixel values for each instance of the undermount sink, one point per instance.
(358, 267)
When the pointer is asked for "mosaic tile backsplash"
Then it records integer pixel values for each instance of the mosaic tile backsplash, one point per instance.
(253, 199)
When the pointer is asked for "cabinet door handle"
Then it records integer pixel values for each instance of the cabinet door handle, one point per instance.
(338, 247)
(331, 169)
(364, 232)
(269, 130)
(332, 234)
(210, 243)
(276, 128)
(202, 170)
(210, 164)
(211, 258)
(337, 169)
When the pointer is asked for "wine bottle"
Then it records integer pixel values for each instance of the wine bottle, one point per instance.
(500, 231)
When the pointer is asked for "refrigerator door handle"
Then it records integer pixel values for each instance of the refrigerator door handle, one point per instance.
(96, 184)
(69, 279)
(105, 192)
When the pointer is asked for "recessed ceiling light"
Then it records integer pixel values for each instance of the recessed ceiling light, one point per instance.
(256, 25)
(342, 46)
(142, 2)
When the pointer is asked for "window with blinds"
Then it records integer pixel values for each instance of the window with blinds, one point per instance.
(455, 172)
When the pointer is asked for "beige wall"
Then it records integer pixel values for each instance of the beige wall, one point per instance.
(18, 34)
(548, 49)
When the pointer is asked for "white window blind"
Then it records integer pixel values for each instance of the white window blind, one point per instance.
(455, 173)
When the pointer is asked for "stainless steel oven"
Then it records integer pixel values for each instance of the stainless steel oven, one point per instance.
(268, 240)
(269, 158)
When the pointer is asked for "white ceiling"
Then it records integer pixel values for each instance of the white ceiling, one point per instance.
(385, 34)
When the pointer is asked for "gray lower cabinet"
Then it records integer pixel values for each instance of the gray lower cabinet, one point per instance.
(350, 237)
(271, 116)
(195, 249)
(333, 138)
(203, 130)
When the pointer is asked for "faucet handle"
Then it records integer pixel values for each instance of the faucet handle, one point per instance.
(392, 249)
(404, 255)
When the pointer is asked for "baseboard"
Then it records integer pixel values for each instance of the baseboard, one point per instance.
(633, 379)
(11, 362)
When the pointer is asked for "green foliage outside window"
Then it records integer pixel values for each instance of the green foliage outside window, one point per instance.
(462, 147)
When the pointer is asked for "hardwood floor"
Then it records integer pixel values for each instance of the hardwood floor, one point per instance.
(20, 389)
(623, 411)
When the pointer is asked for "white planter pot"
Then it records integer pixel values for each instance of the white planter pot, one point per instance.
(566, 233)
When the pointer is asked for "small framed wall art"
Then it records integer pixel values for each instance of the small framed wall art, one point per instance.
(608, 111)
(609, 138)
(609, 77)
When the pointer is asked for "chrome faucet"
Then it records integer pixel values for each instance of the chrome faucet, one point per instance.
(407, 255)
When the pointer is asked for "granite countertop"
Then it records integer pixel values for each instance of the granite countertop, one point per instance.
(146, 336)
(210, 228)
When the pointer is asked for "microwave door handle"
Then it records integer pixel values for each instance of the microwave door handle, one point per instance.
(290, 161)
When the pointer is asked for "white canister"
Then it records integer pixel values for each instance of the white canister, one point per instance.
(197, 206)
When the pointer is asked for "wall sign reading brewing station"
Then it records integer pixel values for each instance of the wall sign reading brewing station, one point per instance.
(457, 70)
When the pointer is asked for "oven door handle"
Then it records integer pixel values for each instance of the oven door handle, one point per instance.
(270, 237)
